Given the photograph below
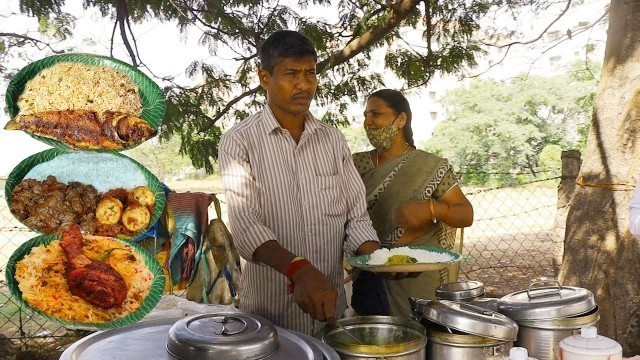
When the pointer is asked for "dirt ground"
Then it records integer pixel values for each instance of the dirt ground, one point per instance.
(510, 244)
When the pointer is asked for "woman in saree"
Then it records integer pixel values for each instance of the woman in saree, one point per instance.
(413, 198)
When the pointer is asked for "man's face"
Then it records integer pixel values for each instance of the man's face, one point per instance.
(292, 85)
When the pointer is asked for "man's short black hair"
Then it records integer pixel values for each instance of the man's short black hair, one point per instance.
(284, 44)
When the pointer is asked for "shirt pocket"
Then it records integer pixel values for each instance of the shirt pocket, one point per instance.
(331, 195)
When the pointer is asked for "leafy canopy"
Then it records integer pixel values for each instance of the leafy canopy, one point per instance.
(495, 131)
(346, 36)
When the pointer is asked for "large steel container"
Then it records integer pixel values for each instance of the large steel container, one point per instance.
(548, 314)
(462, 291)
(457, 330)
(377, 337)
(205, 336)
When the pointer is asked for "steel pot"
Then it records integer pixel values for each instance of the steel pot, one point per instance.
(461, 331)
(464, 291)
(149, 340)
(382, 337)
(548, 314)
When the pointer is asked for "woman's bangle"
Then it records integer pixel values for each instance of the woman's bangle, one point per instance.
(294, 266)
(433, 211)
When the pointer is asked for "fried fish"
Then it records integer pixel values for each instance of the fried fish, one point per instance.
(86, 129)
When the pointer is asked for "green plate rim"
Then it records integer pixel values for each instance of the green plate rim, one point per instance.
(22, 169)
(152, 96)
(149, 302)
(362, 260)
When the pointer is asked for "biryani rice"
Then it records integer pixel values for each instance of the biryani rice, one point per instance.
(78, 86)
(42, 280)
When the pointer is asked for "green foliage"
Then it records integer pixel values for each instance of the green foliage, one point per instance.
(163, 159)
(550, 158)
(496, 131)
(235, 29)
(57, 27)
(356, 138)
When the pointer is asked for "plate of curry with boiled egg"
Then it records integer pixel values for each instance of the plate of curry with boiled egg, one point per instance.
(85, 102)
(85, 281)
(106, 194)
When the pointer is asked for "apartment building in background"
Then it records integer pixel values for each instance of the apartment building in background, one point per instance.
(580, 33)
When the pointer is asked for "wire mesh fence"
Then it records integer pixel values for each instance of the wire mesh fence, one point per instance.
(513, 237)
(510, 244)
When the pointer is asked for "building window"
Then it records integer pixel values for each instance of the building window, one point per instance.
(434, 115)
(432, 95)
(584, 23)
(553, 35)
(554, 59)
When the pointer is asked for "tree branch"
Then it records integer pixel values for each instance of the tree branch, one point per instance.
(122, 16)
(221, 113)
(400, 11)
(564, 11)
(559, 41)
(37, 43)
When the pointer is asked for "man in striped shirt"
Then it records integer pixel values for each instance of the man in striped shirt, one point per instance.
(295, 199)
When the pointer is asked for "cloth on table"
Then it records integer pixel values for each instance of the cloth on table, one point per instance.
(171, 306)
(190, 216)
(177, 238)
(217, 278)
(196, 255)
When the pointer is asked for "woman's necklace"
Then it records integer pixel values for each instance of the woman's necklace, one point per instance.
(404, 152)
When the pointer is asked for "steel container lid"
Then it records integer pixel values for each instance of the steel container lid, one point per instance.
(222, 336)
(148, 340)
(471, 319)
(460, 290)
(547, 302)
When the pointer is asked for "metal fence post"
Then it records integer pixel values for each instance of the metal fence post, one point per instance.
(571, 162)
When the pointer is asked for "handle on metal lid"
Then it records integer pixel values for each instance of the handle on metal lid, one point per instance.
(546, 293)
(476, 309)
(226, 331)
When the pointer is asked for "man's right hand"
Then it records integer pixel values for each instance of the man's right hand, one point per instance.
(314, 294)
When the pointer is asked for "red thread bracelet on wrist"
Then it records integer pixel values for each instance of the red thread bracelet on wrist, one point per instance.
(293, 267)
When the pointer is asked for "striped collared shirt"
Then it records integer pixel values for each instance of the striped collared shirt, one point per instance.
(308, 196)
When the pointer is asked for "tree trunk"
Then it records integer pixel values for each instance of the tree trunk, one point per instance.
(600, 253)
(571, 162)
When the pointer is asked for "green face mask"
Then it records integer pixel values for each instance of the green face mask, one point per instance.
(383, 137)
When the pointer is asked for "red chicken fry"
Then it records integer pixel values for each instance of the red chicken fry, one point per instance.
(94, 281)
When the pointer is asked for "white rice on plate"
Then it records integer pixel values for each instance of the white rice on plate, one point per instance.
(380, 256)
(103, 171)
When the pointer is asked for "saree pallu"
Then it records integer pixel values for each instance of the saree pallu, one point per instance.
(417, 175)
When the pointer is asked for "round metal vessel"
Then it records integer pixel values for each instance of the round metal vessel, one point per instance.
(541, 337)
(548, 314)
(458, 330)
(465, 347)
(382, 337)
(148, 341)
(464, 291)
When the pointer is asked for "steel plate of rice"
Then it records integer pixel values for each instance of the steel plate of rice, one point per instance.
(42, 280)
(380, 256)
